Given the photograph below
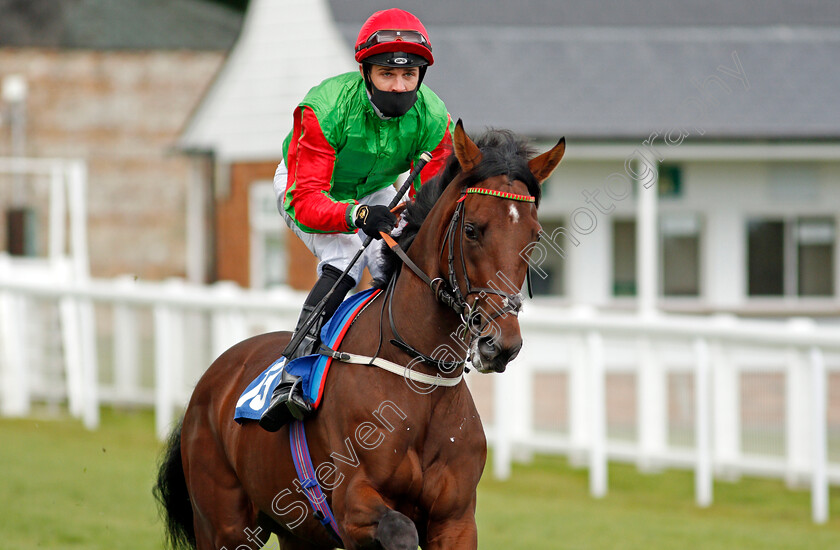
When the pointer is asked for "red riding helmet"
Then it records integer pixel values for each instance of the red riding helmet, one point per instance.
(390, 31)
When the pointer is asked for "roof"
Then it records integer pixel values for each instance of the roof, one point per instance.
(600, 13)
(624, 69)
(600, 70)
(118, 24)
(626, 83)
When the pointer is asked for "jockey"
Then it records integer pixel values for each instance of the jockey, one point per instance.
(353, 134)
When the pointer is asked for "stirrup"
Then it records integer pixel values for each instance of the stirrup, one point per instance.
(296, 402)
(287, 403)
(277, 414)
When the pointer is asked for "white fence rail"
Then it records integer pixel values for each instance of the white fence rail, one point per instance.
(114, 333)
(722, 361)
(664, 391)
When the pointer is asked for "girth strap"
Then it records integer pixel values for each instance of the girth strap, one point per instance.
(309, 479)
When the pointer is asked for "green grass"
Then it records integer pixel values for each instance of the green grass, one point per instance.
(547, 505)
(65, 487)
(62, 487)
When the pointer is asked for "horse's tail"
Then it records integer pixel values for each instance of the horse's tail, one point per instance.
(172, 495)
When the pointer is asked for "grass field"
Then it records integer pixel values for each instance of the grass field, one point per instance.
(62, 487)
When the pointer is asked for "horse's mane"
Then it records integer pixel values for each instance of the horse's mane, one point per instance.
(503, 153)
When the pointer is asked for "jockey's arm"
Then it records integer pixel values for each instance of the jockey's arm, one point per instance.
(310, 162)
(439, 156)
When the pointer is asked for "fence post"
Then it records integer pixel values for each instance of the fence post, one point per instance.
(703, 481)
(597, 415)
(176, 287)
(578, 392)
(90, 368)
(502, 445)
(71, 341)
(797, 428)
(162, 315)
(14, 379)
(169, 358)
(819, 475)
(522, 409)
(652, 412)
(727, 411)
(126, 345)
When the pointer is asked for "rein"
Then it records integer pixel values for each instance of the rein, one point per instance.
(449, 293)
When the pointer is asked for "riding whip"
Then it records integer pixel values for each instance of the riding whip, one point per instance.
(425, 157)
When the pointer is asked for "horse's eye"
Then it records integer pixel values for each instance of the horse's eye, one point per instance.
(470, 232)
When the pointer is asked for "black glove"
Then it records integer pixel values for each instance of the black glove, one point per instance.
(373, 219)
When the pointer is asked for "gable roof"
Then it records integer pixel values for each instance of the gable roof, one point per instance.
(118, 24)
(624, 69)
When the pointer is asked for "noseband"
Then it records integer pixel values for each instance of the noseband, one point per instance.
(449, 292)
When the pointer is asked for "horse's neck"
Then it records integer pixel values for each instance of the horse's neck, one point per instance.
(421, 320)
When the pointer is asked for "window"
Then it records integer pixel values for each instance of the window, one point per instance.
(268, 243)
(680, 253)
(766, 258)
(670, 182)
(793, 257)
(815, 256)
(679, 256)
(624, 257)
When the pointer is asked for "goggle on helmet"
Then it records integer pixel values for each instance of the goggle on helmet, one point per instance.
(394, 38)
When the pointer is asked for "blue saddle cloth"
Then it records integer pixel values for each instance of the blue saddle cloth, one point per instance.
(311, 368)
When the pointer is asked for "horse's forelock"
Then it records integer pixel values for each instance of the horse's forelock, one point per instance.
(503, 153)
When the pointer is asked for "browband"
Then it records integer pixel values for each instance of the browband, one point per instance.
(494, 193)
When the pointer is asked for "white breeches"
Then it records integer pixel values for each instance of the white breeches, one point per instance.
(337, 249)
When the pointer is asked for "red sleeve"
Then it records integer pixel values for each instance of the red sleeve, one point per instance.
(439, 158)
(310, 162)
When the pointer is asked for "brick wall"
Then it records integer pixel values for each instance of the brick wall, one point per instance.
(122, 112)
(233, 231)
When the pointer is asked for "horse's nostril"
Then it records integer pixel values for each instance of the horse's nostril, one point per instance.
(487, 346)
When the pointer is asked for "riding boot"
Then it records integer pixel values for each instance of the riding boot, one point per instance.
(287, 400)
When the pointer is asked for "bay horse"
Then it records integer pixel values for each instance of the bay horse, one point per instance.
(399, 461)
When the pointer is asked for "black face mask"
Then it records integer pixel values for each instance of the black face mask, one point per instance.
(392, 104)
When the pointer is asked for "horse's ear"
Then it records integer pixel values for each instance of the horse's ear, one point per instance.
(543, 165)
(468, 153)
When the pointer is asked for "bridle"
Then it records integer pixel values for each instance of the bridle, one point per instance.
(448, 292)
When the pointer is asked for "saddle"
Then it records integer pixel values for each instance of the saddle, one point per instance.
(312, 369)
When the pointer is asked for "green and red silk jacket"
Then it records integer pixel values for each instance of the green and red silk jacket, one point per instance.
(339, 151)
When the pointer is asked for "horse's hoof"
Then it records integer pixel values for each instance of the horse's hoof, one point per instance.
(396, 532)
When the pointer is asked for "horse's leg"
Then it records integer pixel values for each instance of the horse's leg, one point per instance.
(225, 518)
(460, 534)
(223, 515)
(369, 523)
